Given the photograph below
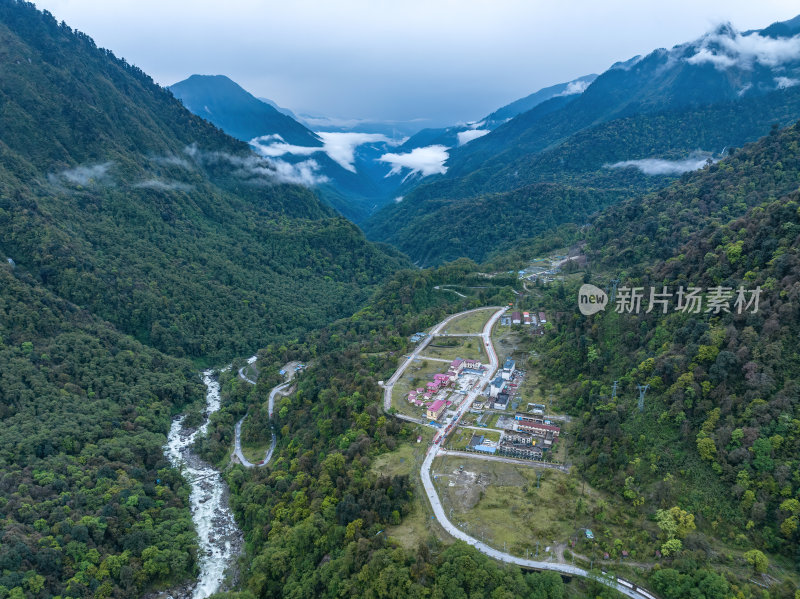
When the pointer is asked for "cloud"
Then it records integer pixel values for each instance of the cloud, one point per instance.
(301, 173)
(660, 166)
(172, 161)
(784, 82)
(160, 185)
(340, 147)
(467, 136)
(574, 87)
(261, 170)
(726, 48)
(84, 174)
(425, 161)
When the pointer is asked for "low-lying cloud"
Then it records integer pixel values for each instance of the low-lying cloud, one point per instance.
(160, 185)
(660, 166)
(727, 48)
(340, 147)
(574, 87)
(83, 174)
(464, 137)
(784, 82)
(425, 161)
(261, 169)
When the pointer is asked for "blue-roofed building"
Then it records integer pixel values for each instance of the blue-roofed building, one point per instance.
(508, 369)
(485, 448)
(496, 386)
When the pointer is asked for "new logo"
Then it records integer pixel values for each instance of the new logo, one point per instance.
(591, 299)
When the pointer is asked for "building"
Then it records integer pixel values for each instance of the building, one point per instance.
(526, 318)
(508, 369)
(527, 452)
(542, 318)
(436, 409)
(501, 401)
(516, 318)
(443, 380)
(536, 409)
(505, 321)
(496, 386)
(457, 365)
(525, 423)
(472, 364)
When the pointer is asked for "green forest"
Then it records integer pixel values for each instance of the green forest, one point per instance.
(139, 244)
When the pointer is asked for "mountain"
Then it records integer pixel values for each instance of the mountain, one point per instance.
(221, 101)
(659, 114)
(461, 134)
(720, 414)
(138, 242)
(343, 164)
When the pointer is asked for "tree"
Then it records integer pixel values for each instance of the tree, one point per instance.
(758, 560)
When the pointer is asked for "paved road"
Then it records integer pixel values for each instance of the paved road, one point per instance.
(425, 471)
(237, 437)
(440, 288)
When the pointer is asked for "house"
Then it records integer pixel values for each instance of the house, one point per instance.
(457, 365)
(540, 429)
(501, 401)
(505, 321)
(542, 318)
(526, 318)
(516, 318)
(472, 364)
(436, 409)
(497, 386)
(412, 396)
(443, 380)
(433, 387)
(508, 369)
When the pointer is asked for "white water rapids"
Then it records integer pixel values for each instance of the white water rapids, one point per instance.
(219, 538)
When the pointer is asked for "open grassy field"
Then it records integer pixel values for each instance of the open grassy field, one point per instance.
(450, 348)
(500, 503)
(470, 323)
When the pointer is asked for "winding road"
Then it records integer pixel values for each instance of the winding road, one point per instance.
(619, 584)
(237, 438)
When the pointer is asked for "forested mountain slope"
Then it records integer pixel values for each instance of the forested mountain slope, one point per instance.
(132, 235)
(634, 129)
(720, 431)
(120, 200)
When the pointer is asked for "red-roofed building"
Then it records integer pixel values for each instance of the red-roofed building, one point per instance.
(435, 409)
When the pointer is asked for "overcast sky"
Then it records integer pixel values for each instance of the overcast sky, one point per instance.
(443, 61)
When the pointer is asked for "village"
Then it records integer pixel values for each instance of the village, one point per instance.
(497, 422)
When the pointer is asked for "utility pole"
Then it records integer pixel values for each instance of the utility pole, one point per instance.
(614, 390)
(614, 283)
(642, 390)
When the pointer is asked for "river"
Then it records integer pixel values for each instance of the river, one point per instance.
(220, 540)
